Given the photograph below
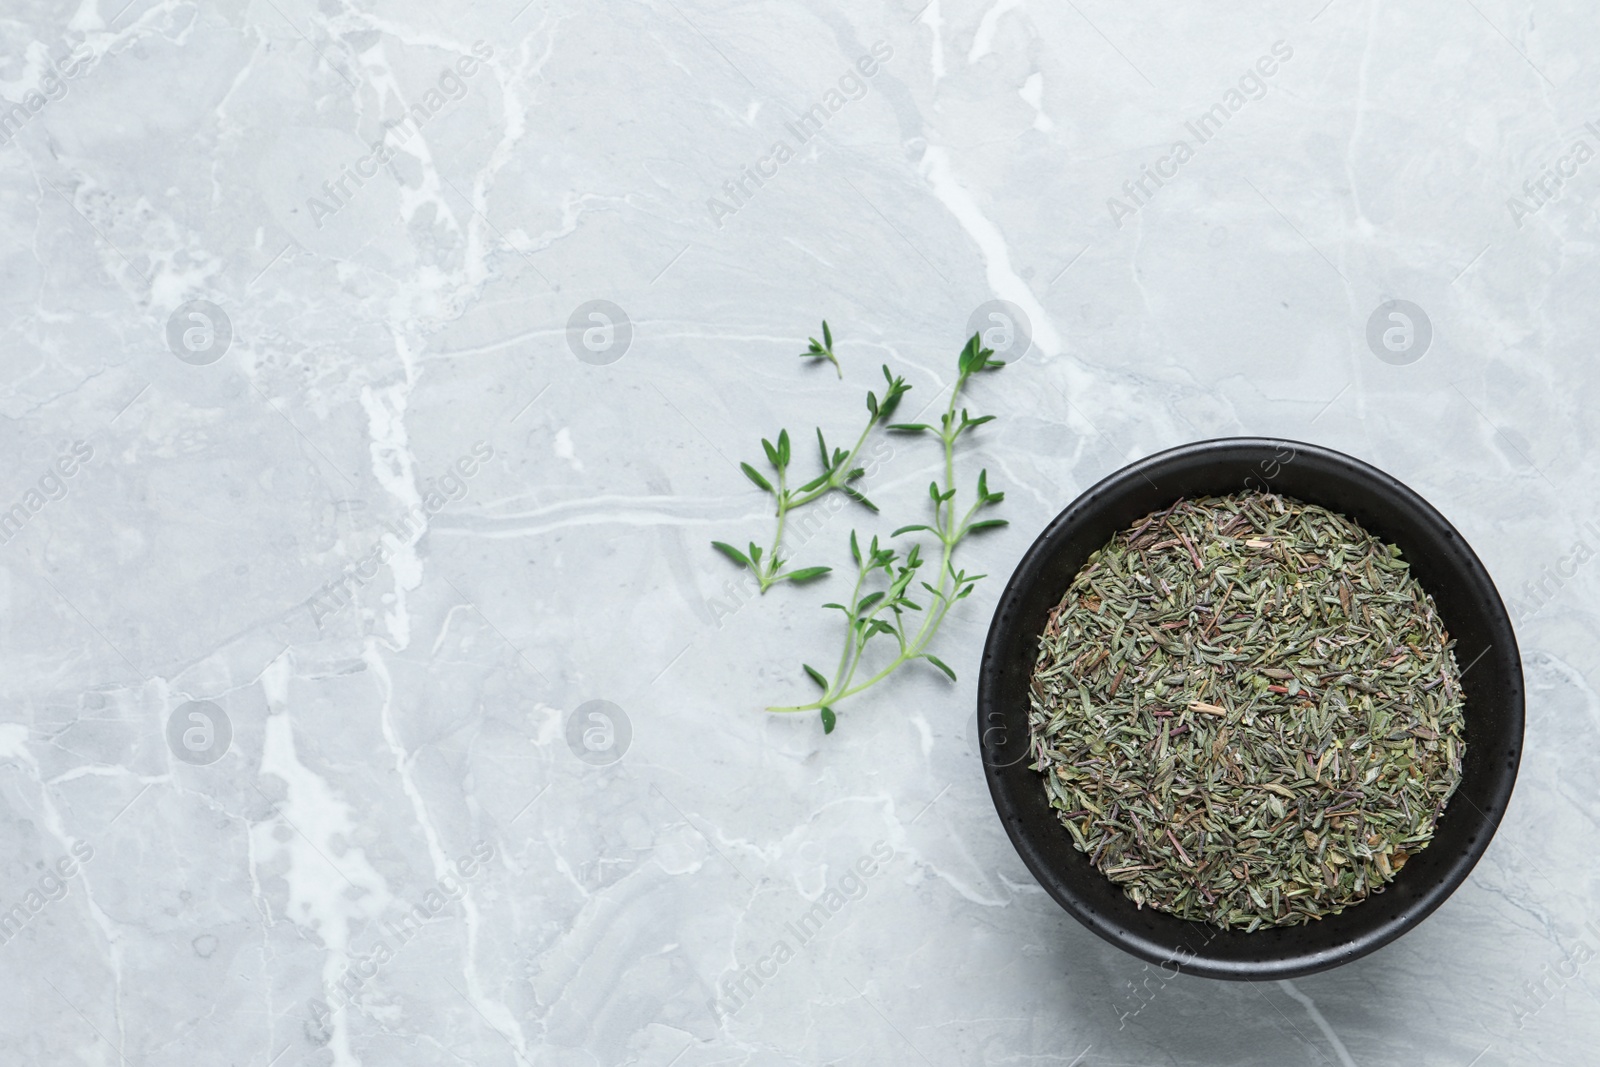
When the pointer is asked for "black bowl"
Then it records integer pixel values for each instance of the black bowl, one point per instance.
(1442, 562)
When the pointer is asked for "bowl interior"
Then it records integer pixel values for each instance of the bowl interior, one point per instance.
(1442, 562)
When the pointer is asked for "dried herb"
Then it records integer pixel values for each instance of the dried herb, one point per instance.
(890, 610)
(839, 470)
(1247, 711)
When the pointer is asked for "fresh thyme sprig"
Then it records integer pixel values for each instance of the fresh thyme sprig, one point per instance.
(839, 470)
(823, 350)
(887, 610)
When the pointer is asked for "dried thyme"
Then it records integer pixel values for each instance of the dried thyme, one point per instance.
(1247, 711)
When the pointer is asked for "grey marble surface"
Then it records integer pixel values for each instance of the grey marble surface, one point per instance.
(320, 538)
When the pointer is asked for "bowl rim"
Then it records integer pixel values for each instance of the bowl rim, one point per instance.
(1002, 779)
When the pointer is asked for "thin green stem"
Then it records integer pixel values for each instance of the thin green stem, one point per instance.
(842, 688)
(836, 476)
(949, 526)
(949, 459)
(966, 520)
(783, 513)
(949, 533)
(905, 657)
(767, 575)
(844, 656)
(770, 578)
(855, 599)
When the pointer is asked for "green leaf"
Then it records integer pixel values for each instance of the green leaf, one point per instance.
(755, 553)
(979, 421)
(829, 720)
(822, 446)
(933, 491)
(866, 603)
(937, 662)
(756, 476)
(855, 548)
(858, 498)
(872, 404)
(827, 336)
(772, 453)
(814, 483)
(783, 448)
(897, 389)
(732, 553)
(910, 427)
(908, 529)
(970, 358)
(983, 484)
(806, 574)
(816, 676)
(975, 358)
(987, 524)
